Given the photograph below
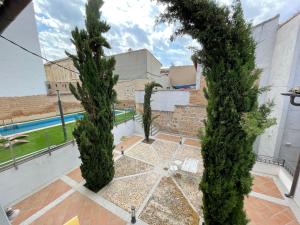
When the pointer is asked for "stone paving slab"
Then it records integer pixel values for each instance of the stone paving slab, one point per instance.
(130, 191)
(168, 137)
(186, 152)
(39, 200)
(262, 212)
(126, 166)
(192, 142)
(144, 152)
(76, 175)
(266, 186)
(88, 212)
(168, 206)
(128, 142)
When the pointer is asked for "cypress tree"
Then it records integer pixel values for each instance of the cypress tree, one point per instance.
(93, 133)
(234, 118)
(147, 115)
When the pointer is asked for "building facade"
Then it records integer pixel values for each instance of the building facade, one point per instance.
(135, 69)
(22, 74)
(278, 55)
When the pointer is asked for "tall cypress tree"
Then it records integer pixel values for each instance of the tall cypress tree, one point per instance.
(147, 115)
(93, 133)
(234, 118)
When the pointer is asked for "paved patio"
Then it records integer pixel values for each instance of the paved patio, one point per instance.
(146, 177)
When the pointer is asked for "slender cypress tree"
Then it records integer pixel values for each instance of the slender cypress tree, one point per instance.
(234, 118)
(147, 115)
(93, 133)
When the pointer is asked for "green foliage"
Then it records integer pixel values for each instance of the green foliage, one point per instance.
(234, 118)
(93, 133)
(147, 117)
(256, 122)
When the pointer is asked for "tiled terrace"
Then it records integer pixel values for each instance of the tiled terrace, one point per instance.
(143, 179)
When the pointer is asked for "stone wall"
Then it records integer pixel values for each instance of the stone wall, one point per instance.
(35, 107)
(197, 96)
(185, 120)
(126, 88)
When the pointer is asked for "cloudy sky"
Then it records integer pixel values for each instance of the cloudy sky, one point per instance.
(133, 25)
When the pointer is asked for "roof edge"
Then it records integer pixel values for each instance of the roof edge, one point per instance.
(266, 21)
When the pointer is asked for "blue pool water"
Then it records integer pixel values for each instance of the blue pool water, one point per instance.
(38, 124)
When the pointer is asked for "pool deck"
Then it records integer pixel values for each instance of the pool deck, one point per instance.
(161, 197)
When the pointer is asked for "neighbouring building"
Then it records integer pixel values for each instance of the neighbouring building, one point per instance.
(182, 76)
(22, 74)
(135, 69)
(278, 55)
(23, 93)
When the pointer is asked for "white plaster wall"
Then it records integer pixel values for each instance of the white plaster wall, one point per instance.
(165, 100)
(123, 129)
(290, 145)
(283, 70)
(297, 193)
(265, 37)
(21, 73)
(32, 175)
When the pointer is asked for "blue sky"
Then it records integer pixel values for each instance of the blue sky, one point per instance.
(133, 25)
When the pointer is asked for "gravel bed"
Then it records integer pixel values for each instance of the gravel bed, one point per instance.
(190, 186)
(130, 191)
(144, 152)
(168, 206)
(126, 166)
(165, 150)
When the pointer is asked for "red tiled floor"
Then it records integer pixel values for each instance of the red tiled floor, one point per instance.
(266, 185)
(88, 212)
(262, 212)
(168, 137)
(192, 142)
(128, 142)
(39, 200)
(76, 175)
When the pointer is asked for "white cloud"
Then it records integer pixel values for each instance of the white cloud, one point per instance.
(133, 25)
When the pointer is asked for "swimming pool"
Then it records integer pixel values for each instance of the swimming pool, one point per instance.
(43, 123)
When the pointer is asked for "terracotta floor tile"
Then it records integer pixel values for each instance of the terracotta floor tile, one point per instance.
(261, 212)
(168, 137)
(88, 212)
(128, 142)
(76, 175)
(39, 200)
(192, 142)
(266, 185)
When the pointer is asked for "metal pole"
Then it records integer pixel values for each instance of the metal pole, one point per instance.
(133, 218)
(295, 180)
(13, 155)
(61, 115)
(47, 141)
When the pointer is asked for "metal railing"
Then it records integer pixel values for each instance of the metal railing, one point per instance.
(276, 161)
(22, 159)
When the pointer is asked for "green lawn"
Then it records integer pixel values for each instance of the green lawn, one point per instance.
(47, 137)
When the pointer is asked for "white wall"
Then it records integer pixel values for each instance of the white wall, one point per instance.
(297, 193)
(32, 175)
(265, 36)
(123, 129)
(21, 73)
(282, 71)
(165, 100)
